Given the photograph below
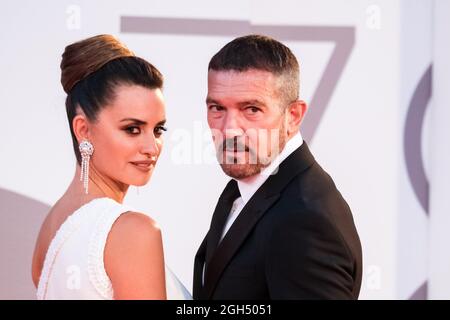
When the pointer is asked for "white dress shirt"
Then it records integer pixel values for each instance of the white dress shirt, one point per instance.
(249, 186)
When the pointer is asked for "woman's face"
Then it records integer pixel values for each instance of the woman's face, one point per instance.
(127, 135)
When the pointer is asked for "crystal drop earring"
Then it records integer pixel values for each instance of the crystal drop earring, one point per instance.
(86, 151)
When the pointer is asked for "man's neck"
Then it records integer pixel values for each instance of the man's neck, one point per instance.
(248, 186)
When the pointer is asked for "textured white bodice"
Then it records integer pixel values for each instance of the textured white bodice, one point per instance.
(74, 267)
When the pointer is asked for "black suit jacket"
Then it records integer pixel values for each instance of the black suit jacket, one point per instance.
(294, 239)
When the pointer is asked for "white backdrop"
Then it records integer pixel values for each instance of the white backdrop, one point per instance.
(439, 268)
(363, 138)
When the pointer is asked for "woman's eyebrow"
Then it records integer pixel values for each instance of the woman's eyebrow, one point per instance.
(134, 120)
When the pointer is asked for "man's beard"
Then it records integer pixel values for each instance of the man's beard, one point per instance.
(251, 164)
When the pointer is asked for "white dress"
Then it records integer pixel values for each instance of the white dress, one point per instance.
(73, 266)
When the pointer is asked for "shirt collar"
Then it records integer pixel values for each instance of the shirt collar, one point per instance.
(248, 187)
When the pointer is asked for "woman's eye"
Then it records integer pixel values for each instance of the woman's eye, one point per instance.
(159, 130)
(133, 130)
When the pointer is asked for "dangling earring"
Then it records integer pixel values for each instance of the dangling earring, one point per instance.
(86, 150)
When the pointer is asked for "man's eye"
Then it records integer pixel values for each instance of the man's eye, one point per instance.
(252, 110)
(216, 108)
(159, 130)
(133, 130)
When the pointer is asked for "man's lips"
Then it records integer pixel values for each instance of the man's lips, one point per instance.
(235, 148)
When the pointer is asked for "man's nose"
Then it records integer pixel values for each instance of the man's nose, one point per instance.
(232, 126)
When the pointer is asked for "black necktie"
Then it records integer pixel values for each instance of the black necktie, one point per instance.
(223, 208)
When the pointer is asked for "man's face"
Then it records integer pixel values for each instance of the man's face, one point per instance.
(246, 119)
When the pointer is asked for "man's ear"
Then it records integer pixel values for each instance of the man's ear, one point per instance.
(80, 125)
(295, 113)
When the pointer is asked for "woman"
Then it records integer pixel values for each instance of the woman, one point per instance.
(91, 246)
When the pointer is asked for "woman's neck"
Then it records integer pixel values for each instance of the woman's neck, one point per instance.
(99, 186)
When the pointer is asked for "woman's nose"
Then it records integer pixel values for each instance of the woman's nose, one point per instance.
(151, 146)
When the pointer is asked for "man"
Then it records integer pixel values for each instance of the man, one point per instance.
(281, 229)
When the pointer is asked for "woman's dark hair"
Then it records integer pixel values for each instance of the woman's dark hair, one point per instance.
(91, 70)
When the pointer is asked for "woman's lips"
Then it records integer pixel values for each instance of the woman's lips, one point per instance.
(143, 165)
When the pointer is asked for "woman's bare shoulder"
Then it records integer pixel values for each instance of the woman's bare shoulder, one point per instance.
(134, 258)
(135, 224)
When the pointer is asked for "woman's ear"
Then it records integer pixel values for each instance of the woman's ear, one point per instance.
(296, 112)
(80, 125)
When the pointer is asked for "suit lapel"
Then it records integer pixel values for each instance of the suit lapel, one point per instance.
(198, 270)
(209, 244)
(261, 202)
(235, 236)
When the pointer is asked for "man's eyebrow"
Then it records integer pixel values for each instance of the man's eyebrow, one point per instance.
(134, 120)
(251, 103)
(210, 100)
